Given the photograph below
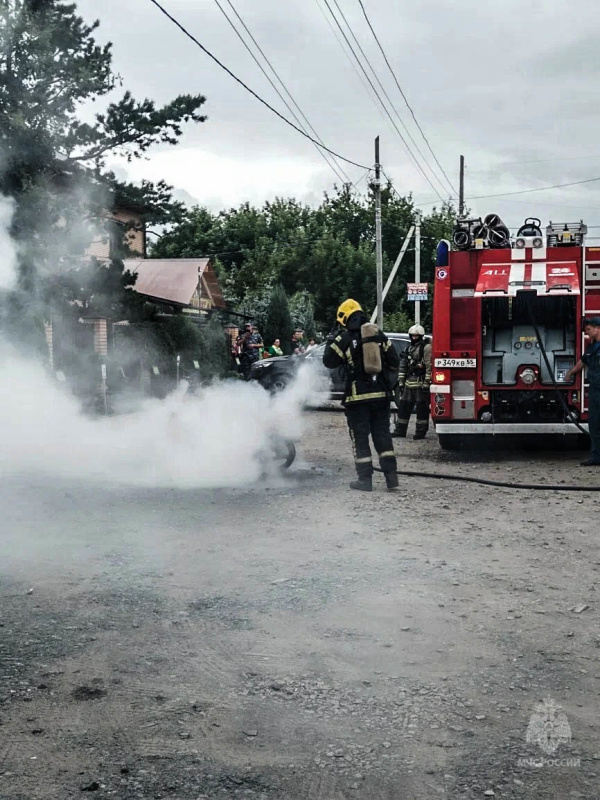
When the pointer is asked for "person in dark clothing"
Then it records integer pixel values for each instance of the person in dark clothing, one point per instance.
(591, 360)
(251, 344)
(296, 346)
(414, 380)
(368, 393)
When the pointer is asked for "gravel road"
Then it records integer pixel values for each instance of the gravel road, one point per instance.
(296, 640)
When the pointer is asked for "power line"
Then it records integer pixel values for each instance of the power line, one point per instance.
(539, 189)
(352, 63)
(383, 105)
(361, 179)
(251, 91)
(593, 157)
(527, 191)
(368, 87)
(338, 171)
(389, 66)
(389, 100)
(387, 97)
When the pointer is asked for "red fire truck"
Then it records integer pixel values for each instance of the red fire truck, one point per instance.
(507, 316)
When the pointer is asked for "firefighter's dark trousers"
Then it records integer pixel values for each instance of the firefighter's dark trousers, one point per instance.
(371, 417)
(412, 397)
(594, 423)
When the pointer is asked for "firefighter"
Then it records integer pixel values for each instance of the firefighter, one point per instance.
(414, 380)
(591, 360)
(367, 395)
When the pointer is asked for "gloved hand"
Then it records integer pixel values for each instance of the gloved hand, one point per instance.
(333, 333)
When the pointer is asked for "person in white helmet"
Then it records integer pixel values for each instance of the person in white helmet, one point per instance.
(414, 380)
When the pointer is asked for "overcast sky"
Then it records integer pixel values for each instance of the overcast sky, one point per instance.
(501, 82)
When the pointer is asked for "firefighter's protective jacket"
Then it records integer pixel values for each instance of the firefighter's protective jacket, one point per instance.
(415, 366)
(345, 350)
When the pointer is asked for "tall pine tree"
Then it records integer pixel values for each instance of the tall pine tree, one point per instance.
(278, 320)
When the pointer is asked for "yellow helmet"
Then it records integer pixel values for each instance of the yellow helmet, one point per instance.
(346, 310)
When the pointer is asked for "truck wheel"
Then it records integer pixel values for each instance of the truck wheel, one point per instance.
(450, 441)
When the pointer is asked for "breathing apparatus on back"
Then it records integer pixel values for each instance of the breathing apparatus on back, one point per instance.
(351, 315)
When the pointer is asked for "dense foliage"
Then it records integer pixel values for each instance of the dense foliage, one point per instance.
(326, 254)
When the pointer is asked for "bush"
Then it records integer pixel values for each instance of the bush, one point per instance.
(397, 322)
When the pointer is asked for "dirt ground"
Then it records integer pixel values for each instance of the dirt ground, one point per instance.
(297, 640)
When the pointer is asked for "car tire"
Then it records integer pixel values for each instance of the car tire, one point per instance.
(278, 384)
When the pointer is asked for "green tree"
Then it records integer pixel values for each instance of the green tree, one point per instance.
(52, 163)
(327, 253)
(278, 321)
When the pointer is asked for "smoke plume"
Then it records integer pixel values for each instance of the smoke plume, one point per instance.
(218, 437)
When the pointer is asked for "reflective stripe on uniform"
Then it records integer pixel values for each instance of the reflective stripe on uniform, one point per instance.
(366, 460)
(372, 396)
(386, 453)
(336, 349)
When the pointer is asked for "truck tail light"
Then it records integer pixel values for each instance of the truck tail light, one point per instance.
(440, 377)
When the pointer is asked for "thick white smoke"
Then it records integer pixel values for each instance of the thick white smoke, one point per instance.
(220, 437)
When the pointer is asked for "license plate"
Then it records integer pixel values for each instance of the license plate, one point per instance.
(449, 363)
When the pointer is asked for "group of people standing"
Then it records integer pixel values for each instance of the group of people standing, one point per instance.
(249, 347)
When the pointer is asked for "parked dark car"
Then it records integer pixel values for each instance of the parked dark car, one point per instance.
(274, 374)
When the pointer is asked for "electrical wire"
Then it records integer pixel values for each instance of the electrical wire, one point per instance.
(350, 60)
(338, 171)
(594, 157)
(184, 30)
(400, 197)
(541, 487)
(383, 105)
(527, 191)
(539, 189)
(389, 66)
(389, 100)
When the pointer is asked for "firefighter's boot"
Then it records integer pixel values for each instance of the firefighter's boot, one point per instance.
(400, 430)
(391, 481)
(363, 484)
(420, 433)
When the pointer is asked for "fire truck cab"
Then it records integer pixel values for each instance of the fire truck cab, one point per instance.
(507, 317)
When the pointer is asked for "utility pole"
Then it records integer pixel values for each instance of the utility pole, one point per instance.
(392, 274)
(378, 248)
(461, 188)
(417, 263)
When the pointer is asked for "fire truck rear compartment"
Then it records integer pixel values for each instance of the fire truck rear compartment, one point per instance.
(509, 342)
(527, 406)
